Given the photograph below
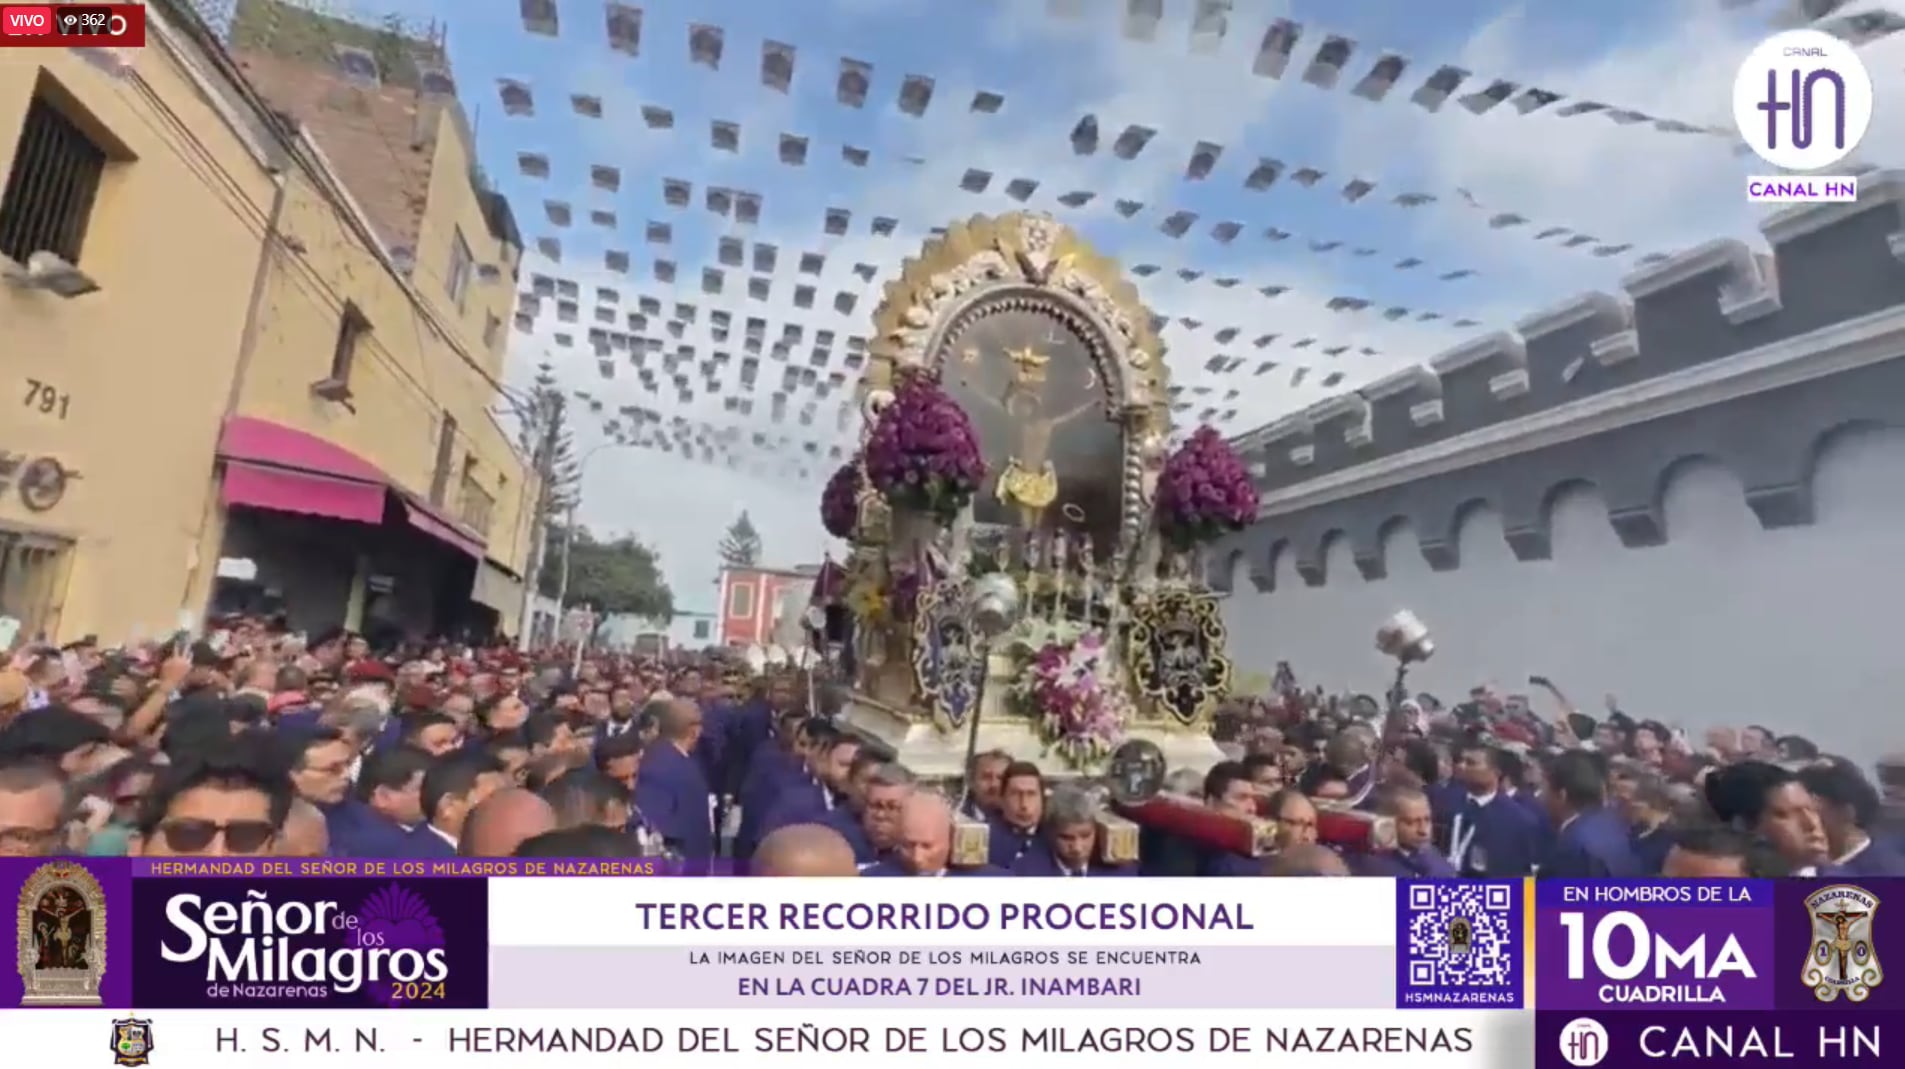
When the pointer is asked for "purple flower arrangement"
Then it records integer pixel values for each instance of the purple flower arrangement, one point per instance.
(1204, 492)
(1066, 689)
(839, 502)
(922, 454)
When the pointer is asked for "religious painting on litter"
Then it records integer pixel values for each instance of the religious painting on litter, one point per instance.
(1026, 370)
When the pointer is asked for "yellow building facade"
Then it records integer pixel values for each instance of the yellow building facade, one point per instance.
(273, 397)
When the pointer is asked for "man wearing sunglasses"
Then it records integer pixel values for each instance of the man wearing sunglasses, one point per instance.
(222, 805)
(32, 795)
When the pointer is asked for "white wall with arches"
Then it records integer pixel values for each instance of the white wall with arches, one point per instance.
(1801, 628)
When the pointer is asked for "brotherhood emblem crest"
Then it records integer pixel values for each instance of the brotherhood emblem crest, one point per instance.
(948, 664)
(1177, 654)
(131, 1041)
(1843, 958)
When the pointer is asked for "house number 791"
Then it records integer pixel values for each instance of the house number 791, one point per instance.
(50, 400)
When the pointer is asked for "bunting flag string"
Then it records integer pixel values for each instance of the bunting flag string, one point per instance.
(838, 221)
(805, 385)
(1173, 223)
(1331, 58)
(1268, 172)
(734, 253)
(759, 453)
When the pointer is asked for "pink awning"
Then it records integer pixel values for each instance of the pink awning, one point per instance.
(441, 527)
(264, 442)
(280, 490)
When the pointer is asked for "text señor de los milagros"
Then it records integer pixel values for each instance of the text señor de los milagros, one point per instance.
(257, 942)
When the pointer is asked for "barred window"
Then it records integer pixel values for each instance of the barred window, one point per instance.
(51, 188)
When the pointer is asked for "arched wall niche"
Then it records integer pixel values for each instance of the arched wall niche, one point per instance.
(1725, 620)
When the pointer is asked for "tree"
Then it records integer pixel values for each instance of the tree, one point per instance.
(620, 575)
(741, 546)
(550, 445)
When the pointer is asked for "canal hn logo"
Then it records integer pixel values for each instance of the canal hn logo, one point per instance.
(1583, 1042)
(1844, 956)
(1802, 102)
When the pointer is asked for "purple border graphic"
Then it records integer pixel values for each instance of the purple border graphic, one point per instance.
(1770, 1019)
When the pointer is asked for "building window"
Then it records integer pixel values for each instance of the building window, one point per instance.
(351, 328)
(51, 188)
(32, 582)
(741, 600)
(446, 450)
(462, 268)
(474, 504)
(492, 331)
(701, 630)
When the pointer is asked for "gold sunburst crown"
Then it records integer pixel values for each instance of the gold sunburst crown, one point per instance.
(1028, 366)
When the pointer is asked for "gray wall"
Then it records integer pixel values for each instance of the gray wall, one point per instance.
(1688, 493)
(1726, 622)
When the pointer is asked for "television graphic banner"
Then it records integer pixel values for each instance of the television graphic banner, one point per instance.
(1741, 972)
(245, 962)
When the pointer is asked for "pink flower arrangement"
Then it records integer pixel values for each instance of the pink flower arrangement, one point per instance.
(839, 502)
(1204, 491)
(922, 454)
(1066, 689)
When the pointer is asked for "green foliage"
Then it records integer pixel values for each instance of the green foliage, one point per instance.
(550, 445)
(741, 546)
(615, 576)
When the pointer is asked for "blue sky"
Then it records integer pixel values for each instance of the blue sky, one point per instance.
(1619, 184)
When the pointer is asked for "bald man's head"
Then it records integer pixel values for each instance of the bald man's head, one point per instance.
(503, 821)
(925, 845)
(1308, 860)
(305, 833)
(805, 850)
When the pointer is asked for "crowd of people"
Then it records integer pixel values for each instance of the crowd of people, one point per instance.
(254, 741)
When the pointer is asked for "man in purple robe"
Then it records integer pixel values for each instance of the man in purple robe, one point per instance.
(671, 789)
(809, 798)
(925, 848)
(776, 761)
(1068, 842)
(1415, 854)
(1021, 809)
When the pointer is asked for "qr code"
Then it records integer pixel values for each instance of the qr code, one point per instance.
(1461, 935)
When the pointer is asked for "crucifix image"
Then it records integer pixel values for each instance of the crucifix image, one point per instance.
(1841, 945)
(1028, 480)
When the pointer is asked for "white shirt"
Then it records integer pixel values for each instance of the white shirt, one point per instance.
(1462, 836)
(1846, 858)
(1063, 871)
(444, 835)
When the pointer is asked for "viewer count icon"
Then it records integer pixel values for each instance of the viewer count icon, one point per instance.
(1584, 1042)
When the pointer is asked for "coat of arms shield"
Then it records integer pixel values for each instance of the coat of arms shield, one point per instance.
(131, 1041)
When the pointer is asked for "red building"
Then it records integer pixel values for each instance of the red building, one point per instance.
(754, 598)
